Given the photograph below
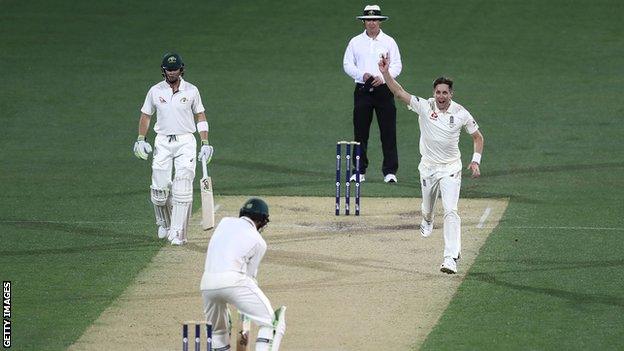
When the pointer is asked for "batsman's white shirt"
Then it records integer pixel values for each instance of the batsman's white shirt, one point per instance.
(234, 254)
(439, 133)
(363, 54)
(175, 112)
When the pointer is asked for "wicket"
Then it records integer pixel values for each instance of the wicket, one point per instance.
(357, 150)
(198, 324)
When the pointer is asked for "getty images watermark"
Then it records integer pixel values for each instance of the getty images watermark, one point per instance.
(6, 314)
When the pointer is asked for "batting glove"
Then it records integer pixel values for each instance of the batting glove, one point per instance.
(205, 151)
(142, 148)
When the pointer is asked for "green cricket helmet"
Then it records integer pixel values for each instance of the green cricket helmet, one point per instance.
(256, 209)
(172, 61)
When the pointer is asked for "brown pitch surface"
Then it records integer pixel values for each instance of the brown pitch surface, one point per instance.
(350, 283)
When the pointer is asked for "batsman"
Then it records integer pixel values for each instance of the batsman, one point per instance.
(230, 272)
(179, 114)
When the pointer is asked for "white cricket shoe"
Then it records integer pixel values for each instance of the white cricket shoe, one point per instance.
(390, 178)
(449, 266)
(426, 228)
(177, 241)
(174, 235)
(171, 234)
(162, 232)
(362, 178)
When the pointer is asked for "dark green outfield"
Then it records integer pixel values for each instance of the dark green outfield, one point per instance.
(543, 78)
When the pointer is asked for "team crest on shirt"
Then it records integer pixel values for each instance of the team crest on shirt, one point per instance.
(162, 101)
(451, 121)
(434, 116)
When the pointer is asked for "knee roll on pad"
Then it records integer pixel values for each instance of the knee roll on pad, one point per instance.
(159, 196)
(161, 209)
(182, 190)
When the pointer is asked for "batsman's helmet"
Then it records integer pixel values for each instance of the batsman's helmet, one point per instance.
(256, 209)
(172, 61)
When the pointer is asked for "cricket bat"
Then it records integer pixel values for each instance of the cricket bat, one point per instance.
(242, 337)
(207, 200)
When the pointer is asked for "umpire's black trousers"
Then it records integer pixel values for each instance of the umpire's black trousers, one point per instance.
(381, 100)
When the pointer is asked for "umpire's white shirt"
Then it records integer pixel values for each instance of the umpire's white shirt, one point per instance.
(175, 112)
(439, 133)
(234, 254)
(363, 54)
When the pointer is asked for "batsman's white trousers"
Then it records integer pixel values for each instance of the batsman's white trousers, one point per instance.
(173, 151)
(443, 180)
(247, 297)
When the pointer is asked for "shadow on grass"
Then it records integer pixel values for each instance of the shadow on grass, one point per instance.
(118, 246)
(468, 193)
(256, 166)
(124, 241)
(555, 169)
(573, 297)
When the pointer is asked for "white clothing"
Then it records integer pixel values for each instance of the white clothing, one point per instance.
(236, 246)
(439, 132)
(449, 184)
(232, 260)
(440, 164)
(249, 300)
(178, 152)
(363, 54)
(174, 146)
(175, 112)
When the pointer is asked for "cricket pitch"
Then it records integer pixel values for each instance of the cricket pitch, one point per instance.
(350, 283)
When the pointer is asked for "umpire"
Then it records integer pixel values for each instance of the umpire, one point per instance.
(360, 62)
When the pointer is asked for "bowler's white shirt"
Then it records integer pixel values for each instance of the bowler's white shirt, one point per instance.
(363, 54)
(439, 132)
(175, 112)
(234, 253)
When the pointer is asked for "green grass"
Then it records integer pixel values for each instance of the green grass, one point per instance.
(541, 77)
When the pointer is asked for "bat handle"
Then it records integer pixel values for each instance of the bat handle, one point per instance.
(204, 167)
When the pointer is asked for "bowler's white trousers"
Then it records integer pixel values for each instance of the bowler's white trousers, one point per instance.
(444, 180)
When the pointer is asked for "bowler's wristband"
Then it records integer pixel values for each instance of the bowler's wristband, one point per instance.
(202, 126)
(141, 137)
(204, 142)
(476, 158)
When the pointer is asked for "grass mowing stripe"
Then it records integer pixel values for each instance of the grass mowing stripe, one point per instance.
(538, 76)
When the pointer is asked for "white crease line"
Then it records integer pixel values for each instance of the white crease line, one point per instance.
(486, 213)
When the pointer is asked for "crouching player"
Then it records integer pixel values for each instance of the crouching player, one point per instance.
(232, 260)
